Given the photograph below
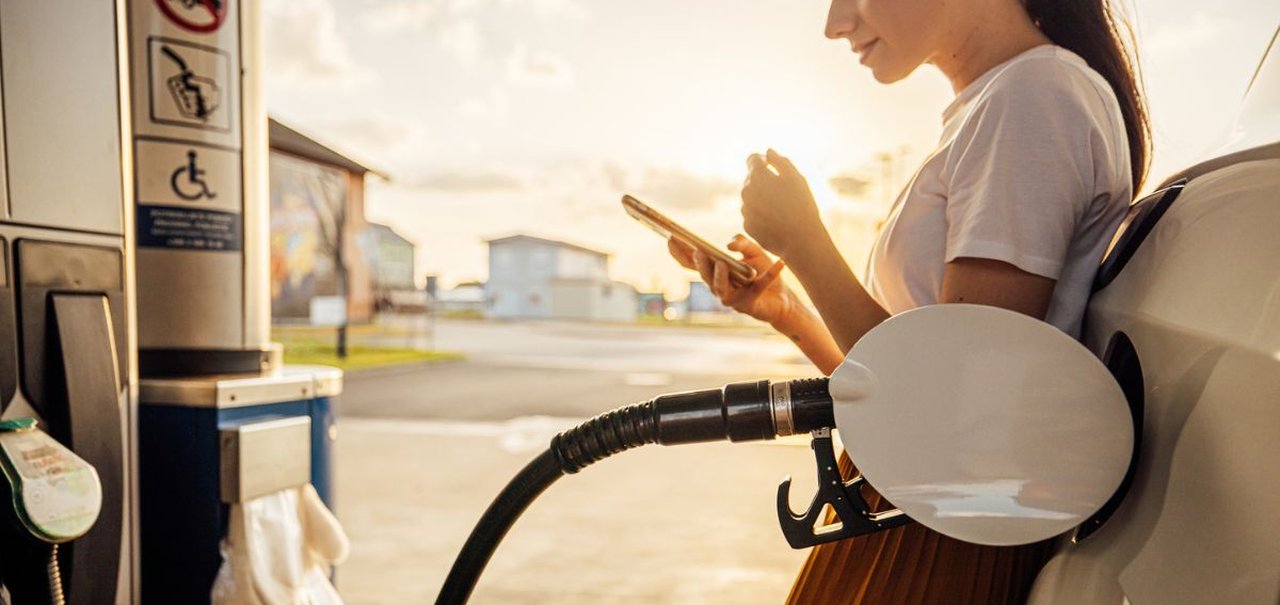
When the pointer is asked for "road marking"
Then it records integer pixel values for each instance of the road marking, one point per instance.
(520, 434)
(647, 379)
(683, 365)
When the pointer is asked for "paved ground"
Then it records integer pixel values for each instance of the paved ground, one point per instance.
(691, 525)
(422, 450)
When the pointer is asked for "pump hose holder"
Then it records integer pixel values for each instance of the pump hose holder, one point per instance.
(853, 515)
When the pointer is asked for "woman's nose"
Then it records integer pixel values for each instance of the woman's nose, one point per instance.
(841, 19)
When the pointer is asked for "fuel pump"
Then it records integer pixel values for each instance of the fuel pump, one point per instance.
(66, 306)
(982, 424)
(133, 135)
(222, 423)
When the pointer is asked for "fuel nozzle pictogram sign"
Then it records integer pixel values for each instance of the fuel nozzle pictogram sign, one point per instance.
(195, 96)
(189, 84)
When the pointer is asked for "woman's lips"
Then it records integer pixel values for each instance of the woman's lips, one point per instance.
(865, 50)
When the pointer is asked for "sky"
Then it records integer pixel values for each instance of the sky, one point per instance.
(497, 117)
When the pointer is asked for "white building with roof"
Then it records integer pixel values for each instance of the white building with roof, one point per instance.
(532, 277)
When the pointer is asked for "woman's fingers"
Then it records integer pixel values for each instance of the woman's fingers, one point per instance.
(720, 282)
(745, 245)
(705, 266)
(716, 273)
(764, 281)
(780, 162)
(746, 294)
(758, 171)
(771, 162)
(682, 253)
(752, 253)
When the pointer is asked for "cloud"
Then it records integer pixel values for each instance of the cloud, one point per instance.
(671, 188)
(574, 183)
(848, 185)
(1187, 34)
(466, 6)
(303, 48)
(537, 68)
(493, 107)
(462, 39)
(400, 16)
(378, 138)
(557, 9)
(549, 8)
(468, 182)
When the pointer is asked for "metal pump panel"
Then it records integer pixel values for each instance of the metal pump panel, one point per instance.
(198, 124)
(66, 311)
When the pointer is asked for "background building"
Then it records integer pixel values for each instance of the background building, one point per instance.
(321, 244)
(652, 304)
(392, 270)
(465, 299)
(701, 300)
(531, 277)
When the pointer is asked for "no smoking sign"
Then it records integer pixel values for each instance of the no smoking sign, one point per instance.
(199, 16)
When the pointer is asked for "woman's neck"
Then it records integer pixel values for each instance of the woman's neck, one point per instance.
(988, 42)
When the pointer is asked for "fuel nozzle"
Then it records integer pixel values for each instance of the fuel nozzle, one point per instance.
(49, 494)
(744, 411)
(740, 411)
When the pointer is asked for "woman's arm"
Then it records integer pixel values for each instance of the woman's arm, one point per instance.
(844, 304)
(809, 333)
(849, 311)
(779, 211)
(766, 299)
(983, 281)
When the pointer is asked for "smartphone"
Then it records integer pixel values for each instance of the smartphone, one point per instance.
(739, 272)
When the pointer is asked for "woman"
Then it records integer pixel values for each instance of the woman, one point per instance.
(1041, 150)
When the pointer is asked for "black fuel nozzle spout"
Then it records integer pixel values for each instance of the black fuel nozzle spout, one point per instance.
(744, 411)
(741, 411)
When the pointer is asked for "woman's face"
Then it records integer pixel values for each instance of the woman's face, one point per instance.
(891, 37)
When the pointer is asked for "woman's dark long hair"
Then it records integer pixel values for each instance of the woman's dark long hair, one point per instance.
(1089, 28)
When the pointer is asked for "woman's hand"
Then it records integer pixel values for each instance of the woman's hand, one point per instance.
(766, 298)
(778, 209)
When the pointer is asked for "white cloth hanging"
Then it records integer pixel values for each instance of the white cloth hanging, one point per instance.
(278, 551)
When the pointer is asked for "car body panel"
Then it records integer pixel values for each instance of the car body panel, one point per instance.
(1200, 301)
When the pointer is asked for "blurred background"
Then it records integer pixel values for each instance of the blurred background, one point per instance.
(445, 225)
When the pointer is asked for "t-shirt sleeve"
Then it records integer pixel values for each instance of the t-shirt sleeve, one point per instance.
(1021, 170)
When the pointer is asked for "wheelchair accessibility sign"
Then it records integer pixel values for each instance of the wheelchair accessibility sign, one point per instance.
(188, 183)
(188, 196)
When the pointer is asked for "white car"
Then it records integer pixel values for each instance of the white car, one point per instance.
(1187, 317)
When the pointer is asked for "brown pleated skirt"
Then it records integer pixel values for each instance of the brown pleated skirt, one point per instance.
(913, 564)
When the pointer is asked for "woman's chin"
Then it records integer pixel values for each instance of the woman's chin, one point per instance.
(888, 74)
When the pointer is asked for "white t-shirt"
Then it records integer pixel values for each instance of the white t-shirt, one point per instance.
(1032, 170)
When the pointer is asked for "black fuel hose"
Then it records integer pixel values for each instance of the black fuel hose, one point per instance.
(743, 411)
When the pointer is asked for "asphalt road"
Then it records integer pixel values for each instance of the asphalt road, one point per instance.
(423, 449)
(477, 390)
(563, 369)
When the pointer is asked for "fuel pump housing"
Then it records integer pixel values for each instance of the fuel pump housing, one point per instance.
(67, 326)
